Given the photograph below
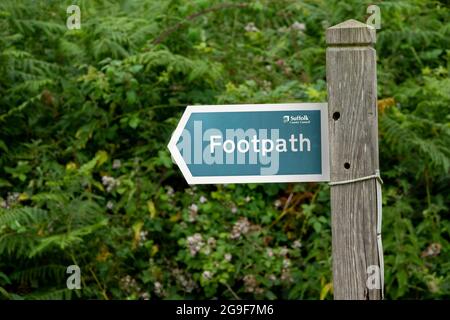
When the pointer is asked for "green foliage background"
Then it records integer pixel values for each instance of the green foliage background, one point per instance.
(86, 178)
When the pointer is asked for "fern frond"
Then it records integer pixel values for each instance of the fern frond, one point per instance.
(17, 244)
(62, 241)
(23, 215)
(41, 272)
(407, 139)
(61, 294)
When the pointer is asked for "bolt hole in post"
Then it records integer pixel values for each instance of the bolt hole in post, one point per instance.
(347, 165)
(336, 116)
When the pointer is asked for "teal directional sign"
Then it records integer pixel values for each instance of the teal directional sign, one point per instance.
(252, 143)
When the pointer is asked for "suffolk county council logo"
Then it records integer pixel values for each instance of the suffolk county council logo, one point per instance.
(301, 118)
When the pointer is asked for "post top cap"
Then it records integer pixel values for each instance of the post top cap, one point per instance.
(351, 32)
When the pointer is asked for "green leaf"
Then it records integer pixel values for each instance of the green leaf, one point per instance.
(3, 146)
(5, 183)
(131, 97)
(5, 278)
(134, 121)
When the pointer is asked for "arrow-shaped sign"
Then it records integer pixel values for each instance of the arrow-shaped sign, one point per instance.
(252, 143)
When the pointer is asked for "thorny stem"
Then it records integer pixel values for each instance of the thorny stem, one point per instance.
(232, 292)
(427, 186)
(102, 289)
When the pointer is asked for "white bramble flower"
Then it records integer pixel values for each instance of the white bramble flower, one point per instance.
(203, 199)
(110, 183)
(228, 257)
(259, 290)
(242, 226)
(284, 251)
(298, 26)
(296, 244)
(250, 27)
(4, 204)
(11, 199)
(185, 280)
(286, 275)
(211, 242)
(195, 243)
(116, 164)
(158, 289)
(142, 237)
(129, 284)
(145, 296)
(250, 283)
(267, 84)
(193, 209)
(109, 205)
(170, 192)
(207, 275)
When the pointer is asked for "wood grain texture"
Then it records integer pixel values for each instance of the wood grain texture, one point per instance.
(352, 92)
(351, 32)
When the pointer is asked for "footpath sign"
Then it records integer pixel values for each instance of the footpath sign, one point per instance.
(252, 143)
(335, 141)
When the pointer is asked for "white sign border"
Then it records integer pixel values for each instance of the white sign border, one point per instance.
(322, 106)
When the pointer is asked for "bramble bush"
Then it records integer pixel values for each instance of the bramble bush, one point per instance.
(86, 177)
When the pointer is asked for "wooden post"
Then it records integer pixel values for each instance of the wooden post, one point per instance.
(353, 129)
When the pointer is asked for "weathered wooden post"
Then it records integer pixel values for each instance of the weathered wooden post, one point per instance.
(354, 168)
